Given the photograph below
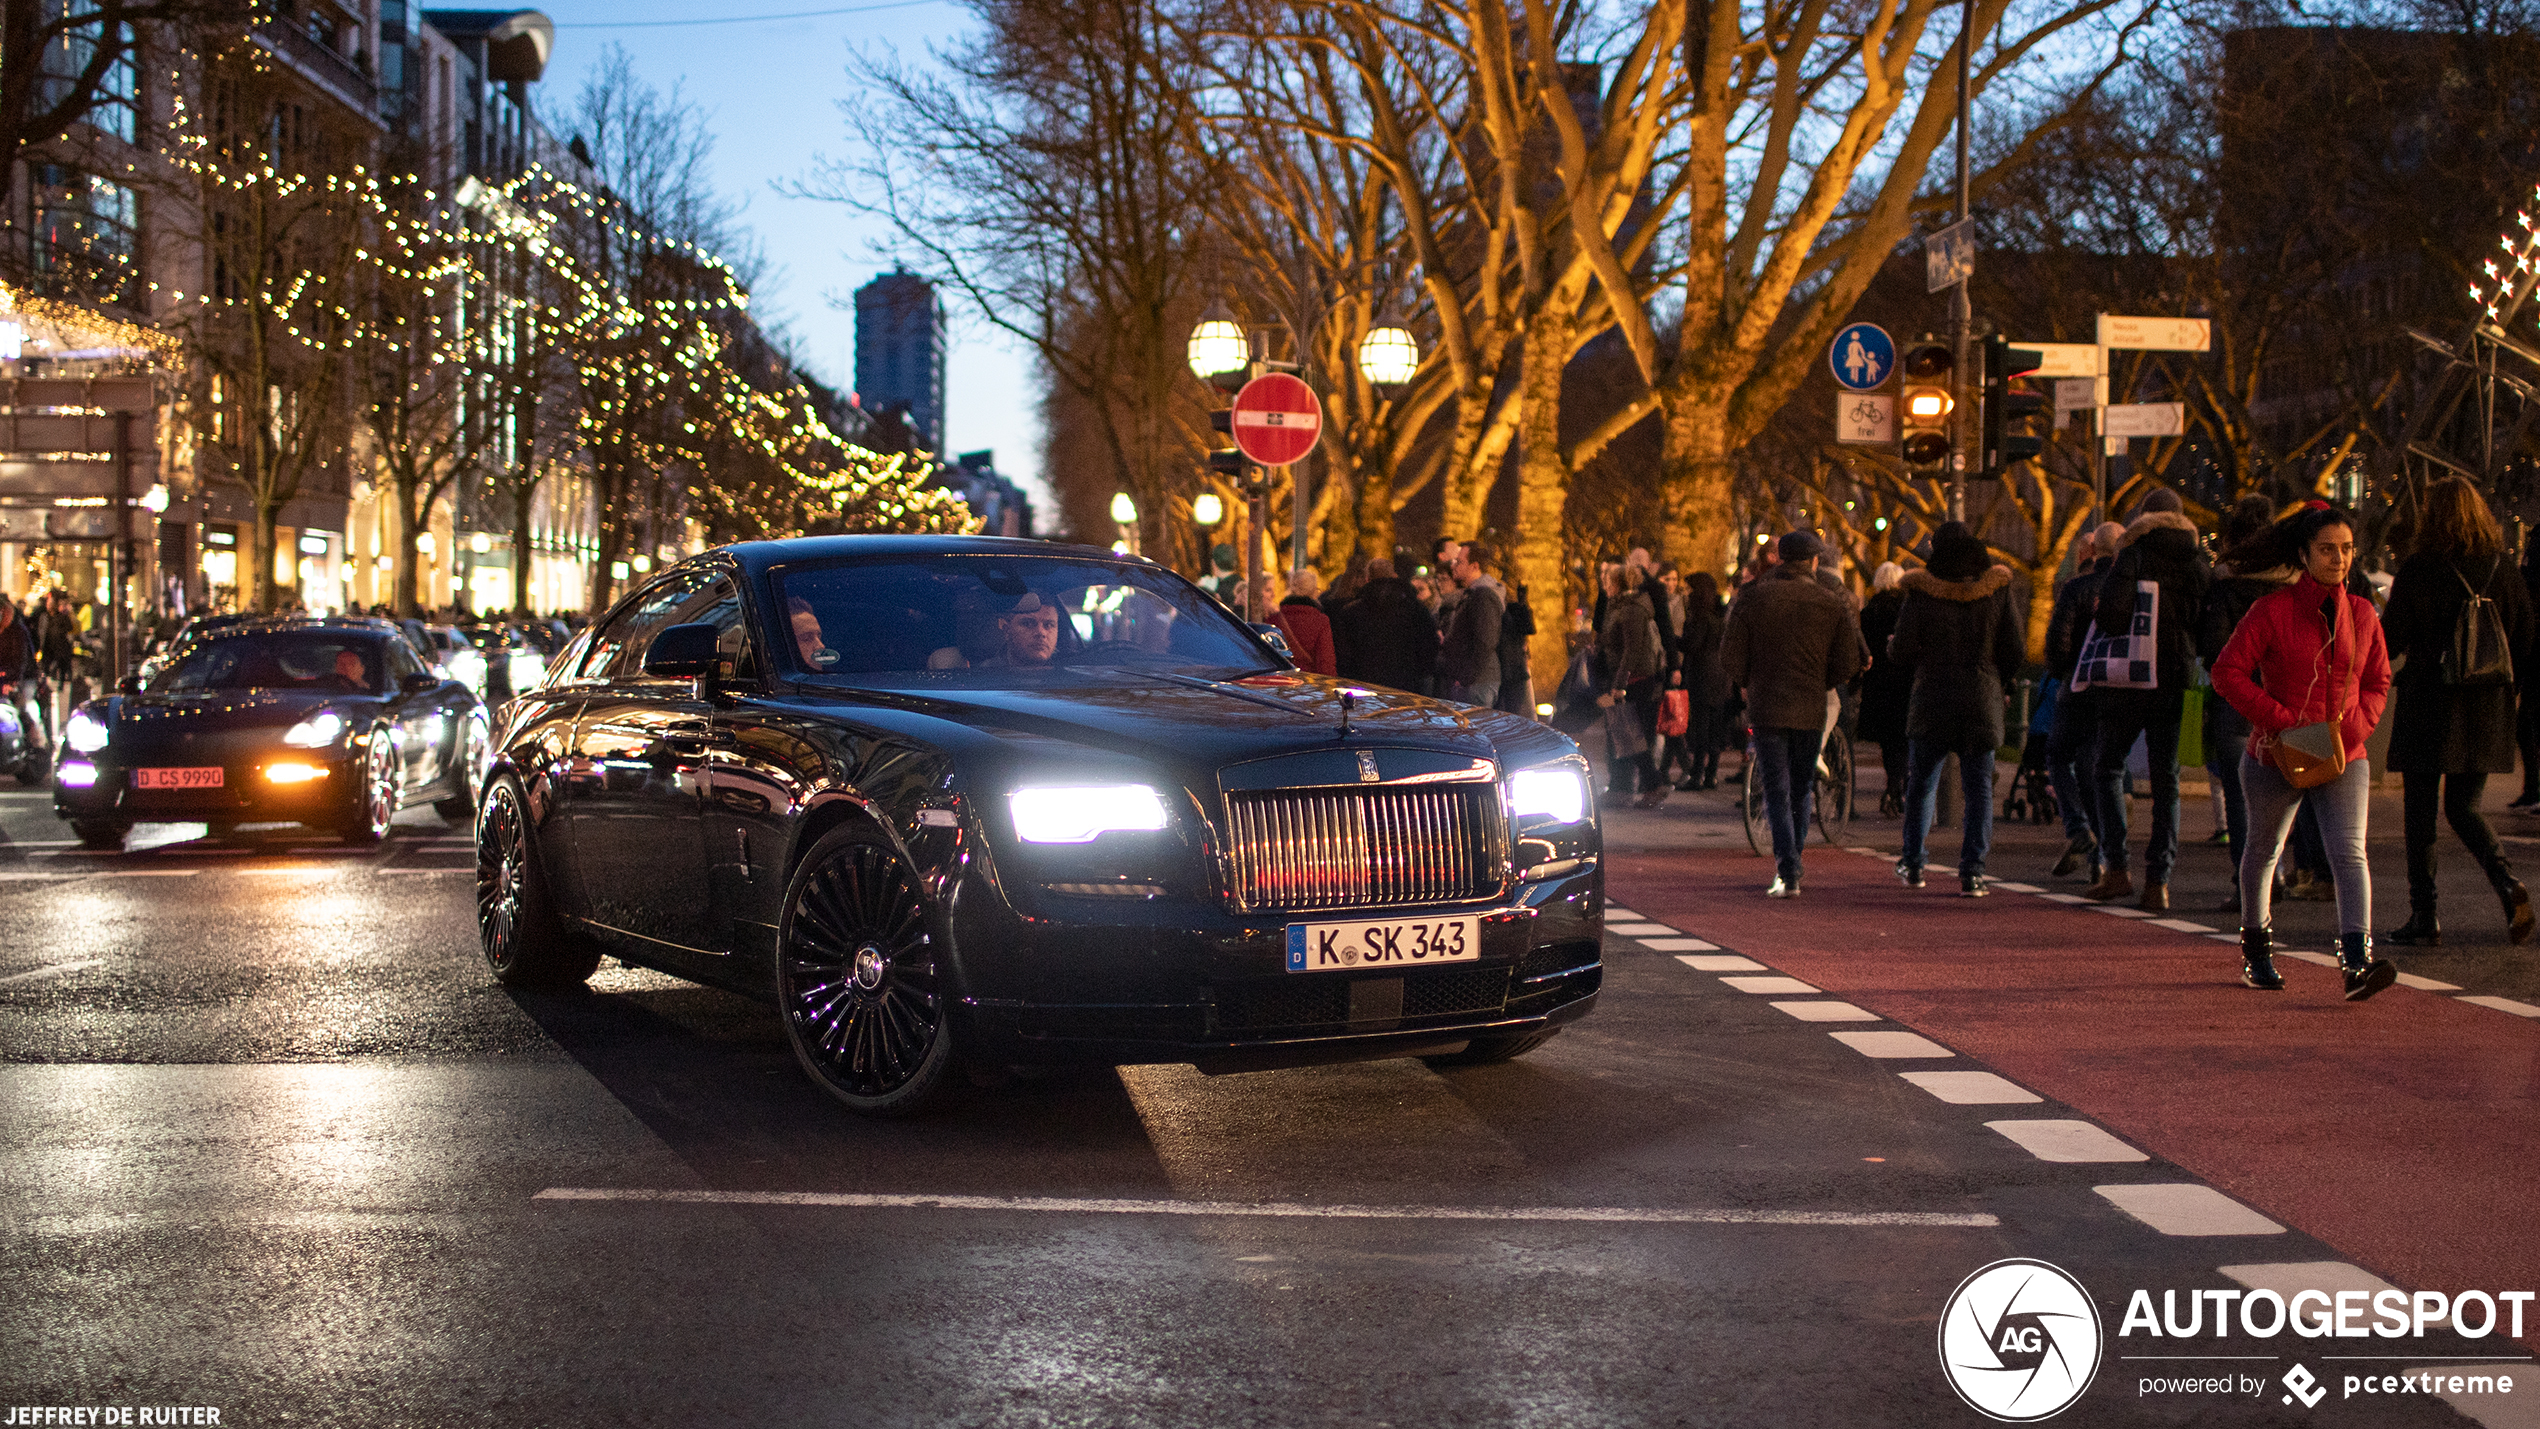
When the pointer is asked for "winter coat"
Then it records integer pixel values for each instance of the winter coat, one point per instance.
(1629, 644)
(56, 634)
(1789, 641)
(1964, 640)
(1516, 681)
(2440, 728)
(1662, 611)
(2281, 668)
(1888, 687)
(2068, 623)
(2160, 546)
(1309, 633)
(1700, 644)
(1385, 637)
(17, 650)
(1470, 653)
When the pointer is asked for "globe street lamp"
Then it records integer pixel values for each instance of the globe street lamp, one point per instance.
(1220, 351)
(1124, 514)
(1388, 357)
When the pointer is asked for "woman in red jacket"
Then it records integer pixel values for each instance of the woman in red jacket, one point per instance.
(2306, 653)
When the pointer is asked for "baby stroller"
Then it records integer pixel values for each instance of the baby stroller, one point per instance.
(2031, 796)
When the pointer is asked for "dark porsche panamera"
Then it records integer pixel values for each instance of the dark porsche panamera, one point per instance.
(331, 723)
(949, 800)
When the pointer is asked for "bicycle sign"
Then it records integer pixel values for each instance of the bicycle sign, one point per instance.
(1864, 418)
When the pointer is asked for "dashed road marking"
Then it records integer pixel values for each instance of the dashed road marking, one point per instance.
(1972, 1088)
(2113, 911)
(1723, 963)
(2063, 898)
(2066, 1141)
(1624, 913)
(1281, 1210)
(1775, 984)
(55, 970)
(2017, 887)
(2427, 984)
(2293, 1277)
(1892, 1044)
(2188, 1209)
(1826, 1011)
(1640, 930)
(2182, 925)
(1678, 945)
(2504, 1004)
(2299, 955)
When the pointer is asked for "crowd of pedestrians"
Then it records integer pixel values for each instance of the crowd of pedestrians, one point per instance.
(2293, 645)
(1453, 628)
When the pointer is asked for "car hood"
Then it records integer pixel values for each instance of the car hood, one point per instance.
(211, 711)
(1191, 721)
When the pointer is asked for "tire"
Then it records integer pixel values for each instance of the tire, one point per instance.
(1835, 788)
(1750, 806)
(1483, 1051)
(375, 803)
(864, 1000)
(100, 833)
(35, 766)
(460, 808)
(524, 941)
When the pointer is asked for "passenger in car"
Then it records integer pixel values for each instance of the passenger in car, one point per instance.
(808, 641)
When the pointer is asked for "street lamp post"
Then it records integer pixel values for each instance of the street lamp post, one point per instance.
(1124, 514)
(1225, 356)
(1388, 357)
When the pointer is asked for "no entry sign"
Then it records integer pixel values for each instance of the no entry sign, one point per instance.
(1277, 419)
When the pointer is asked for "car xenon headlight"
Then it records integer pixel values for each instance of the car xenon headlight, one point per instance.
(84, 732)
(1557, 792)
(1080, 814)
(316, 732)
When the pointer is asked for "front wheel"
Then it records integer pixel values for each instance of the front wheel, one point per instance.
(863, 996)
(1750, 805)
(525, 942)
(375, 802)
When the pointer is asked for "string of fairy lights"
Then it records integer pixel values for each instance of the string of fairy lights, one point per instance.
(2510, 280)
(655, 331)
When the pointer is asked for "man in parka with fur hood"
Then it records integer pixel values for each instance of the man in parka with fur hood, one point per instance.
(2159, 546)
(1961, 631)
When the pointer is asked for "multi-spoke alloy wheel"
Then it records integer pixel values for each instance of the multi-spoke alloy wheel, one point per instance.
(376, 800)
(525, 944)
(856, 973)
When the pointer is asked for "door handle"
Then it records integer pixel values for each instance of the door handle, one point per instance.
(697, 739)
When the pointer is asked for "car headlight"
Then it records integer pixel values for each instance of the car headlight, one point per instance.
(1083, 813)
(316, 732)
(84, 732)
(1558, 793)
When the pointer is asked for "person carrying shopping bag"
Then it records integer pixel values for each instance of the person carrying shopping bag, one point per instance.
(2308, 669)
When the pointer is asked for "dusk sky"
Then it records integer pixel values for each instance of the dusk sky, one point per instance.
(771, 88)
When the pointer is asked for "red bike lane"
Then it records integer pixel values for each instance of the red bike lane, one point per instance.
(2404, 1131)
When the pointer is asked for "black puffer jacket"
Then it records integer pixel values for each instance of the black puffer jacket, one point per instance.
(2160, 547)
(2068, 625)
(1386, 637)
(1887, 687)
(2440, 728)
(1964, 640)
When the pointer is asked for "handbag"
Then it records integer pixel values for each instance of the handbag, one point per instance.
(1675, 713)
(2129, 659)
(1623, 733)
(2309, 755)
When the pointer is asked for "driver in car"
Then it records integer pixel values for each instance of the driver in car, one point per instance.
(808, 641)
(352, 670)
(1027, 634)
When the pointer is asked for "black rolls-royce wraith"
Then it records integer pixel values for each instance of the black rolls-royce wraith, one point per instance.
(945, 799)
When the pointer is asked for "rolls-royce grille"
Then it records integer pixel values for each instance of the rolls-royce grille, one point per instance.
(1363, 848)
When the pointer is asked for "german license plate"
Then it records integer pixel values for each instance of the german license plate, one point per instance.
(1383, 943)
(205, 778)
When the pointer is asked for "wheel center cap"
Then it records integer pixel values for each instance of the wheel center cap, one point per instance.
(869, 963)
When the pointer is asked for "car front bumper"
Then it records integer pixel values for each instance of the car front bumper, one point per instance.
(245, 794)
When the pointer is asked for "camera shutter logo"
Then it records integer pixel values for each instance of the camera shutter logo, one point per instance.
(2020, 1341)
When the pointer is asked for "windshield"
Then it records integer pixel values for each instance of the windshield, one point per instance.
(330, 661)
(913, 614)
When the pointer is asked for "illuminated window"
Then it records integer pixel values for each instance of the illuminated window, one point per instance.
(117, 108)
(87, 234)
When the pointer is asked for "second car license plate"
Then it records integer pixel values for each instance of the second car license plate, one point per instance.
(205, 778)
(1383, 943)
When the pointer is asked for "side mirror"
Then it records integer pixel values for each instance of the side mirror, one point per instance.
(128, 685)
(418, 682)
(1271, 636)
(682, 652)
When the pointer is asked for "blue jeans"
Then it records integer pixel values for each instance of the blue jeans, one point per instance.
(2154, 715)
(1922, 800)
(2342, 805)
(1786, 764)
(2071, 747)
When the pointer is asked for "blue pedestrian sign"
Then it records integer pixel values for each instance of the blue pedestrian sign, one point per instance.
(1862, 356)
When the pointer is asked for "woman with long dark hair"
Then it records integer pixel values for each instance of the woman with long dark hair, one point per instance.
(2455, 726)
(2308, 654)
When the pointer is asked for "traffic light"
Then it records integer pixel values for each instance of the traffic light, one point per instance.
(1925, 404)
(2007, 407)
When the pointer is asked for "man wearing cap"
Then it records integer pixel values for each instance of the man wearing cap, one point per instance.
(1789, 642)
(1027, 634)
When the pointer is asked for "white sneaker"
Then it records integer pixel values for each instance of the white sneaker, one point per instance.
(1781, 889)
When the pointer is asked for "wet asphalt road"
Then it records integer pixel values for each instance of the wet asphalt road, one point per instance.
(272, 1141)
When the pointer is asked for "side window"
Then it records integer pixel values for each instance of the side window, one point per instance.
(631, 633)
(720, 606)
(401, 662)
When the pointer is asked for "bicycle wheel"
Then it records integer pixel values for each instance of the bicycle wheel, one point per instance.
(1750, 803)
(1834, 788)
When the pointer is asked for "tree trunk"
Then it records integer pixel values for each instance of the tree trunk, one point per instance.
(1543, 491)
(409, 573)
(1699, 473)
(259, 577)
(524, 496)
